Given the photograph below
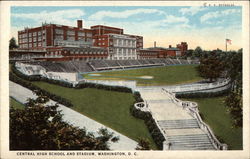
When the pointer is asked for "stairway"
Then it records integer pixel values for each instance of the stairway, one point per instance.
(191, 142)
(185, 134)
(179, 124)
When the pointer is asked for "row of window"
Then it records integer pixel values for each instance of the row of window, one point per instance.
(30, 45)
(33, 34)
(120, 51)
(34, 39)
(70, 32)
(90, 52)
(124, 58)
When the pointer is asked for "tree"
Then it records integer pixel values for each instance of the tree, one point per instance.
(12, 44)
(234, 101)
(189, 52)
(40, 127)
(197, 52)
(211, 67)
(143, 144)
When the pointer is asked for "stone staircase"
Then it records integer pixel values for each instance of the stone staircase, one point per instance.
(185, 134)
(181, 129)
(179, 124)
(190, 142)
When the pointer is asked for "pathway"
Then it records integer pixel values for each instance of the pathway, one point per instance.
(21, 94)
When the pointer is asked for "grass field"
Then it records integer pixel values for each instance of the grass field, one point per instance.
(107, 107)
(169, 75)
(16, 104)
(216, 116)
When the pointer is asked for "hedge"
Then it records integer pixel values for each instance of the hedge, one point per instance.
(150, 123)
(34, 88)
(137, 97)
(202, 94)
(104, 87)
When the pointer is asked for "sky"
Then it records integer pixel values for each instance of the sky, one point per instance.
(207, 27)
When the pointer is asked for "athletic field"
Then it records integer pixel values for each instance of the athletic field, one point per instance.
(168, 75)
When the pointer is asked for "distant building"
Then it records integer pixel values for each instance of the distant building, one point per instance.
(48, 35)
(183, 46)
(161, 52)
(120, 46)
(76, 53)
(54, 38)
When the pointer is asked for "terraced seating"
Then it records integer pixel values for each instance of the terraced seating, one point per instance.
(124, 62)
(95, 65)
(191, 142)
(151, 61)
(54, 67)
(98, 64)
(134, 62)
(112, 63)
(179, 124)
(143, 62)
(169, 61)
(82, 66)
(158, 61)
(175, 61)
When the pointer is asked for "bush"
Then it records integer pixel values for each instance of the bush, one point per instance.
(137, 97)
(150, 123)
(105, 87)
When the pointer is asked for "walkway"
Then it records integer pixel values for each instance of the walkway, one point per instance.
(181, 129)
(21, 94)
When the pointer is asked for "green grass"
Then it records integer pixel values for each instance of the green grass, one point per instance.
(15, 104)
(216, 116)
(107, 107)
(169, 75)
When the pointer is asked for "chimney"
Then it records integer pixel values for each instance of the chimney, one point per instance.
(155, 44)
(79, 23)
(170, 46)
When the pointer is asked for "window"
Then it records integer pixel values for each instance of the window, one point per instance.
(59, 31)
(34, 33)
(120, 51)
(80, 33)
(70, 33)
(89, 35)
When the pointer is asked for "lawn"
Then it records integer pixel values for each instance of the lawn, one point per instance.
(107, 107)
(16, 104)
(168, 75)
(216, 116)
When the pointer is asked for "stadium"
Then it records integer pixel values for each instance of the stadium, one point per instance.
(115, 85)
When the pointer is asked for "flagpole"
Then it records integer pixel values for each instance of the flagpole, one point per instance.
(226, 45)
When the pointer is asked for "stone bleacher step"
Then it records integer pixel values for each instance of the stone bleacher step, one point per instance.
(179, 124)
(193, 148)
(192, 142)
